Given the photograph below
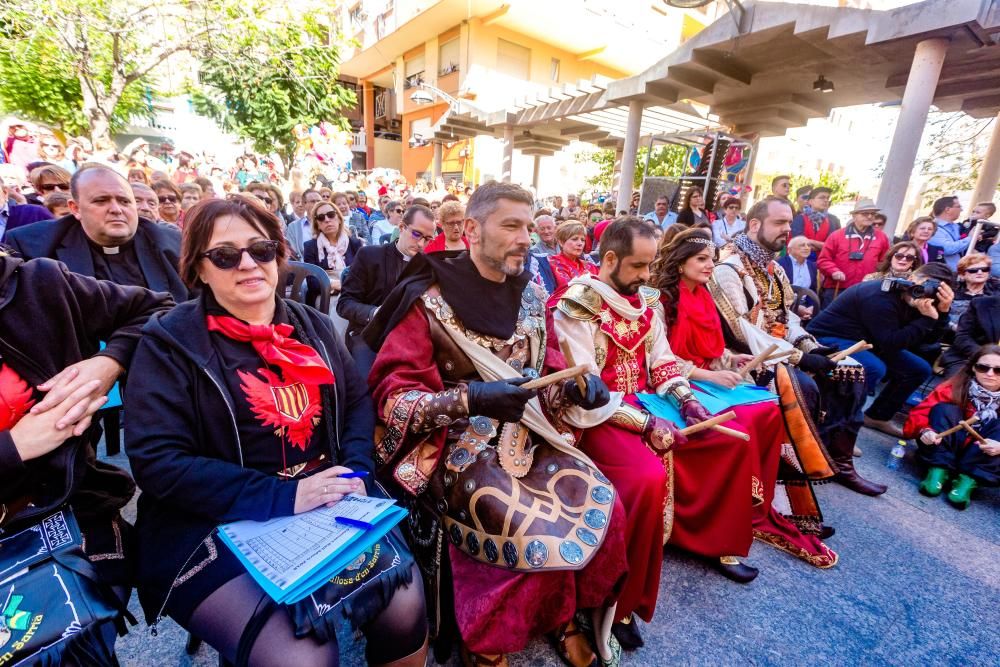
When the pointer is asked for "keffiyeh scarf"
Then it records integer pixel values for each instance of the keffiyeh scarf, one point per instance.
(757, 254)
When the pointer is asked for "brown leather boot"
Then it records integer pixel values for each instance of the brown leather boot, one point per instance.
(470, 659)
(573, 646)
(842, 452)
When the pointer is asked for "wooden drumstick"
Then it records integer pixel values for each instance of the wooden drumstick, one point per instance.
(758, 360)
(843, 354)
(708, 423)
(552, 378)
(732, 432)
(972, 432)
(780, 355)
(958, 427)
(567, 353)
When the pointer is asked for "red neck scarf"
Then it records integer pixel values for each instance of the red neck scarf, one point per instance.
(273, 342)
(697, 333)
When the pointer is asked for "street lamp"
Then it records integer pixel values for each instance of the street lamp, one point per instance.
(425, 94)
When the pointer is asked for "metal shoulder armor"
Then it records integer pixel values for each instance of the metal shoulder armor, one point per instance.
(580, 303)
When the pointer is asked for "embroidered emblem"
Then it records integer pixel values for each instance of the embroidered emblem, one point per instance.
(293, 410)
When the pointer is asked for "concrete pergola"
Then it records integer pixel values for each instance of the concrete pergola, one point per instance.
(756, 79)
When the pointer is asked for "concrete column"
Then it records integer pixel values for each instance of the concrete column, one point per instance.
(508, 153)
(989, 170)
(534, 173)
(616, 175)
(628, 154)
(917, 97)
(368, 111)
(438, 155)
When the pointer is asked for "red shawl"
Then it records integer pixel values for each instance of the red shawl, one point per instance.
(697, 334)
(564, 269)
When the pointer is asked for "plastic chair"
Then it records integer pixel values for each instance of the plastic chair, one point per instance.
(308, 284)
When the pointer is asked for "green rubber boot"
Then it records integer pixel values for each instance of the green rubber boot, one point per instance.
(933, 484)
(961, 492)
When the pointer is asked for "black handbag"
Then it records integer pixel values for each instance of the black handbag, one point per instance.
(52, 604)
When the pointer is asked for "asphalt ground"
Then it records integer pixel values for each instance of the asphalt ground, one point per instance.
(918, 583)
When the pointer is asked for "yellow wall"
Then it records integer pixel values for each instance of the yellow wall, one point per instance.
(388, 154)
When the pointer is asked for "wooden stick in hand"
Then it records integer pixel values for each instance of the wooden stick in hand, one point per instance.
(708, 423)
(972, 432)
(567, 353)
(857, 347)
(777, 356)
(758, 360)
(958, 427)
(558, 376)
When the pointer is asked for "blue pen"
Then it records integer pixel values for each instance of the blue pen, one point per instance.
(354, 475)
(353, 523)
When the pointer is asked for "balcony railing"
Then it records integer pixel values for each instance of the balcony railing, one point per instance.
(382, 105)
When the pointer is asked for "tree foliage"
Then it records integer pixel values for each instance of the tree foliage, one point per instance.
(666, 160)
(269, 79)
(954, 153)
(839, 189)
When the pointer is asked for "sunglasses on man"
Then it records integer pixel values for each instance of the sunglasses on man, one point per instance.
(228, 257)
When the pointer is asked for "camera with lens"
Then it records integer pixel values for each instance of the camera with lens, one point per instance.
(856, 256)
(925, 290)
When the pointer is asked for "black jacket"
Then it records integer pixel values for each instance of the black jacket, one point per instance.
(49, 319)
(186, 455)
(372, 276)
(310, 252)
(158, 248)
(865, 312)
(980, 325)
(21, 215)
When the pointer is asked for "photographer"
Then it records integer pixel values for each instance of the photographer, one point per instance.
(896, 317)
(851, 253)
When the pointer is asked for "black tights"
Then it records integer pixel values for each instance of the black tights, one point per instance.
(222, 617)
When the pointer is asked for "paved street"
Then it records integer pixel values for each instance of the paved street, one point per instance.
(917, 584)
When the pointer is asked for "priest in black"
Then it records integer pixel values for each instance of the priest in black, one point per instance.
(374, 274)
(105, 238)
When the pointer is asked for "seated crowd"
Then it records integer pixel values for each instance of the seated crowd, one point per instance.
(445, 311)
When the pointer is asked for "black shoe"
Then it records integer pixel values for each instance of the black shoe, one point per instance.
(736, 571)
(826, 532)
(628, 635)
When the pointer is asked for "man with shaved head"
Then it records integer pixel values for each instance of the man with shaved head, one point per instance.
(104, 237)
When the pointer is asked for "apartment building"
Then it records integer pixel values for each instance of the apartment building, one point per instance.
(485, 55)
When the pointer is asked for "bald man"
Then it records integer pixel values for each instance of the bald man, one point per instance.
(104, 237)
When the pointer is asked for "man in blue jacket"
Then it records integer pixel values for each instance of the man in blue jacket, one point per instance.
(14, 215)
(104, 237)
(946, 211)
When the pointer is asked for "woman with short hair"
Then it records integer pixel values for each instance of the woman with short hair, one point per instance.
(963, 460)
(570, 261)
(246, 406)
(169, 197)
(920, 232)
(974, 282)
(901, 261)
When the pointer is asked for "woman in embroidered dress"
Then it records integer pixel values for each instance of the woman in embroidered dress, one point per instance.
(246, 406)
(570, 261)
(723, 497)
(960, 457)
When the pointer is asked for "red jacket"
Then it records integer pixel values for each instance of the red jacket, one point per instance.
(835, 257)
(919, 418)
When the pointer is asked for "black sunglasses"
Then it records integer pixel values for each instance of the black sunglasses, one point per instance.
(265, 199)
(397, 210)
(229, 258)
(978, 269)
(167, 199)
(320, 217)
(986, 368)
(903, 255)
(49, 187)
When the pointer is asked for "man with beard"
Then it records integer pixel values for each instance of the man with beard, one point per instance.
(534, 531)
(754, 298)
(609, 322)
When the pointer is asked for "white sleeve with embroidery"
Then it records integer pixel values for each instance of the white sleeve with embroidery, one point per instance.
(579, 336)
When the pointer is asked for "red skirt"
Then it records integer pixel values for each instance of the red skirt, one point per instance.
(500, 611)
(638, 476)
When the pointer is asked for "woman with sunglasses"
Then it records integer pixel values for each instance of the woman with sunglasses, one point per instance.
(332, 247)
(902, 260)
(974, 282)
(169, 196)
(247, 406)
(739, 477)
(964, 460)
(49, 178)
(730, 224)
(51, 150)
(382, 230)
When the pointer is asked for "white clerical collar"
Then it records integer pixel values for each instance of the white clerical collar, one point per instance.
(111, 250)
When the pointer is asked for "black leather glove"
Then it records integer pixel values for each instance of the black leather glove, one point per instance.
(817, 363)
(763, 377)
(826, 351)
(597, 394)
(502, 400)
(694, 412)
